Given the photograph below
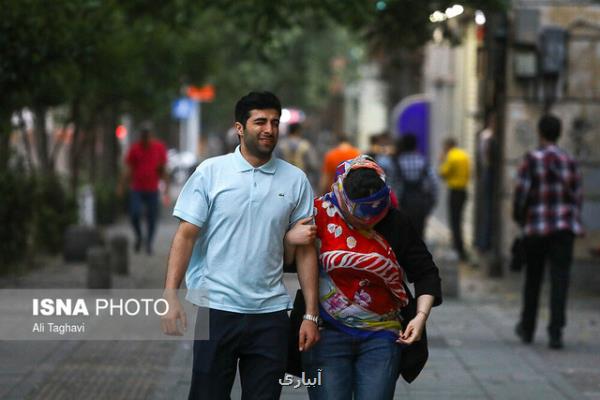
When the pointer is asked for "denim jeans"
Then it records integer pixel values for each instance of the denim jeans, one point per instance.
(367, 368)
(139, 202)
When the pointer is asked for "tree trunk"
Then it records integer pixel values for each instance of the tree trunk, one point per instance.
(93, 135)
(4, 141)
(110, 148)
(42, 139)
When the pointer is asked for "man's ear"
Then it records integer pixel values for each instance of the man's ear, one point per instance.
(239, 128)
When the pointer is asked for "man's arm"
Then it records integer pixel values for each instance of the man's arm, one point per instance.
(164, 176)
(521, 192)
(179, 258)
(433, 183)
(308, 276)
(445, 166)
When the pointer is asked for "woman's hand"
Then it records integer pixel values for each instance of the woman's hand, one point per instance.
(414, 330)
(302, 233)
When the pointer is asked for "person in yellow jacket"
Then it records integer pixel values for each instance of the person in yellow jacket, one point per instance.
(455, 169)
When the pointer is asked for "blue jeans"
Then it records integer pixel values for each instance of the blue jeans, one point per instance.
(367, 368)
(138, 201)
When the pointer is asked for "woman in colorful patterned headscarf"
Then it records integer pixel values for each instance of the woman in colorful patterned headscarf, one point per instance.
(361, 290)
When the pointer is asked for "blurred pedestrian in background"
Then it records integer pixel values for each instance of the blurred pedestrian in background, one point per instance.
(487, 161)
(144, 167)
(234, 212)
(547, 205)
(299, 152)
(455, 169)
(368, 315)
(342, 152)
(413, 180)
(376, 145)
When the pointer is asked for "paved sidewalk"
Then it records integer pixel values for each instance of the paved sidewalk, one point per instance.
(92, 369)
(473, 351)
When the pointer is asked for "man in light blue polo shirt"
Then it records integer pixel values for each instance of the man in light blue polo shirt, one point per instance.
(234, 211)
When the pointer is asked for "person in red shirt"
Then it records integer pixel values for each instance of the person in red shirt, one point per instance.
(145, 166)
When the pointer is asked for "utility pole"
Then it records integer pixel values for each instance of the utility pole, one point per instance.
(497, 42)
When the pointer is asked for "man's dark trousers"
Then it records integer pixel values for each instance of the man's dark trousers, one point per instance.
(557, 249)
(456, 204)
(137, 202)
(258, 341)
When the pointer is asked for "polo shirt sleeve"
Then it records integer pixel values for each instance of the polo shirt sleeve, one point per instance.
(304, 205)
(192, 203)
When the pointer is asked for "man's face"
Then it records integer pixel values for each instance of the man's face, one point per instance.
(260, 135)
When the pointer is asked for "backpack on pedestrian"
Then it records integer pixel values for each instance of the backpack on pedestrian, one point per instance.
(416, 197)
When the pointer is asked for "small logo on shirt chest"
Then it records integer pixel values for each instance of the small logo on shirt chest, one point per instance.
(281, 194)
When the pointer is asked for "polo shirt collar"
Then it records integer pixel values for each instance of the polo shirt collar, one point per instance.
(242, 165)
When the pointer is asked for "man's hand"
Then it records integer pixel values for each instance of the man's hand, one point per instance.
(179, 258)
(302, 233)
(414, 330)
(168, 321)
(309, 335)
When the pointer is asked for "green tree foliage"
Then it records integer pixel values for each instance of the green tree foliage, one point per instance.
(103, 59)
(54, 210)
(295, 64)
(16, 211)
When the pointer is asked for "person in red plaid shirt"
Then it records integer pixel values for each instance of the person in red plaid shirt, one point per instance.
(547, 205)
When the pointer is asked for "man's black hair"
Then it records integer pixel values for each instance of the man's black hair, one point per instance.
(408, 142)
(341, 137)
(294, 128)
(549, 127)
(145, 134)
(450, 142)
(255, 101)
(362, 182)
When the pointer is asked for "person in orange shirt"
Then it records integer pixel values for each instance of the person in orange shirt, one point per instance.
(334, 157)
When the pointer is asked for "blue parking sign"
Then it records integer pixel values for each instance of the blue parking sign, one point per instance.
(182, 108)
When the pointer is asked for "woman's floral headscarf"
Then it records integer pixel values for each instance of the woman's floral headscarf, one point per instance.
(368, 210)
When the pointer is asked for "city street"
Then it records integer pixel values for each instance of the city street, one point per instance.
(478, 120)
(473, 351)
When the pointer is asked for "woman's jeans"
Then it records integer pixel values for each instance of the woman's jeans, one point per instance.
(367, 368)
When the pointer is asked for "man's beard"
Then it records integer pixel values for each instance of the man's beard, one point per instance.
(254, 148)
